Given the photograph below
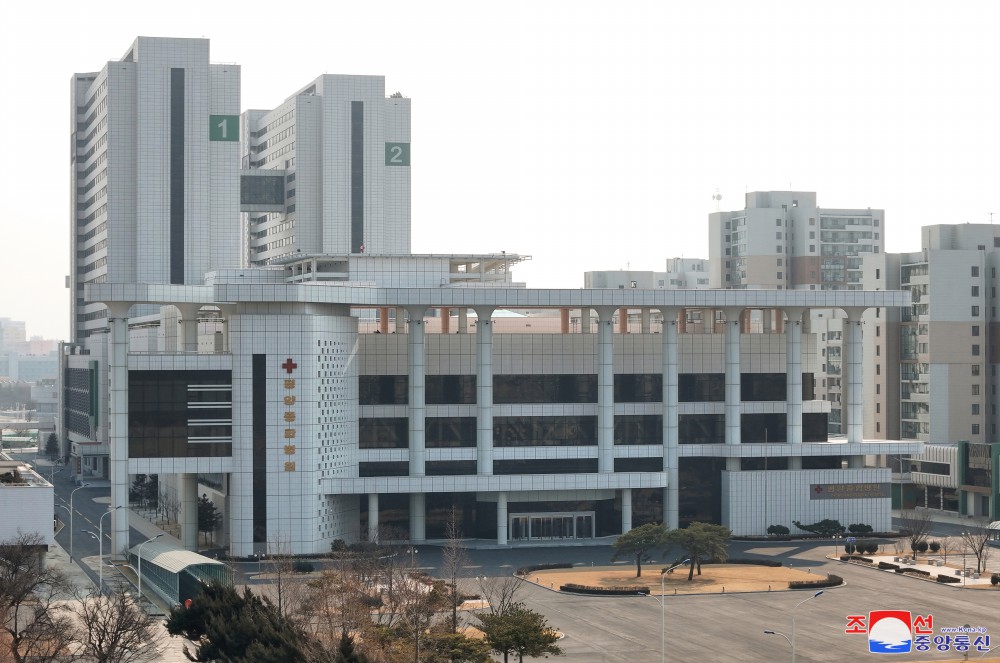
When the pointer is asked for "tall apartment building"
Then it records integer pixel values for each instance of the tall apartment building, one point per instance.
(338, 153)
(934, 367)
(782, 240)
(155, 171)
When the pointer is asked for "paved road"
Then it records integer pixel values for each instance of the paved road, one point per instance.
(731, 627)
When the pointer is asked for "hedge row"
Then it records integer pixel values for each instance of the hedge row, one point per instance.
(525, 570)
(612, 591)
(831, 581)
(856, 558)
(888, 566)
(915, 572)
(746, 560)
(943, 578)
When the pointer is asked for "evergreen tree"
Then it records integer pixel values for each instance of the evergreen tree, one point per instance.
(52, 446)
(208, 516)
(346, 652)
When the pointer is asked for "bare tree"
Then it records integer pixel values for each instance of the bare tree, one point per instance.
(976, 541)
(115, 628)
(34, 623)
(290, 591)
(500, 593)
(170, 504)
(915, 526)
(453, 562)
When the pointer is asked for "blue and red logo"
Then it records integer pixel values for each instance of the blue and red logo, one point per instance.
(902, 632)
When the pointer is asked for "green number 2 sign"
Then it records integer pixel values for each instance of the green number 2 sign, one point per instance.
(397, 154)
(224, 127)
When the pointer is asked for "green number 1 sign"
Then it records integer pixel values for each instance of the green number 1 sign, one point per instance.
(224, 127)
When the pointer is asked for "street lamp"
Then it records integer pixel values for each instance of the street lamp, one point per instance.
(100, 541)
(100, 566)
(782, 635)
(793, 619)
(663, 609)
(139, 551)
(72, 493)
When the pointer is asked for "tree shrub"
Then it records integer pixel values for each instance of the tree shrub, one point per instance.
(859, 528)
(779, 530)
(871, 547)
(614, 591)
(825, 527)
(922, 547)
(525, 570)
(831, 581)
(934, 546)
(995, 579)
(950, 579)
(888, 566)
(914, 572)
(849, 548)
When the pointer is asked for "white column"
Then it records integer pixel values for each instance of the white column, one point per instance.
(626, 509)
(372, 517)
(501, 519)
(187, 491)
(584, 320)
(189, 327)
(118, 425)
(793, 372)
(400, 327)
(417, 394)
(852, 345)
(671, 425)
(463, 320)
(644, 320)
(605, 390)
(484, 391)
(732, 341)
(418, 516)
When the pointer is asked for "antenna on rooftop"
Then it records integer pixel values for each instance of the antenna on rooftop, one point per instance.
(717, 198)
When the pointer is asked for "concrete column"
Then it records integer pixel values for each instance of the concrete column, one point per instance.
(227, 313)
(383, 319)
(463, 321)
(671, 426)
(484, 391)
(187, 492)
(852, 346)
(400, 320)
(623, 320)
(417, 395)
(189, 327)
(626, 509)
(605, 390)
(118, 425)
(372, 517)
(732, 345)
(767, 315)
(644, 320)
(418, 518)
(682, 322)
(445, 320)
(793, 373)
(564, 321)
(584, 320)
(501, 519)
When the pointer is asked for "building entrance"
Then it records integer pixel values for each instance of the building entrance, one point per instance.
(558, 525)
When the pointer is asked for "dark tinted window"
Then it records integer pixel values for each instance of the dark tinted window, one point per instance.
(544, 389)
(702, 428)
(450, 390)
(544, 431)
(638, 388)
(638, 429)
(383, 389)
(560, 466)
(639, 464)
(263, 190)
(701, 387)
(450, 432)
(384, 433)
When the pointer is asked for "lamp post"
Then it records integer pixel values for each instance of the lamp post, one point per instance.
(663, 609)
(793, 619)
(72, 493)
(100, 541)
(139, 551)
(100, 566)
(784, 636)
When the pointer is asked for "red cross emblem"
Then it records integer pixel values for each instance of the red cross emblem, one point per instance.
(817, 489)
(289, 365)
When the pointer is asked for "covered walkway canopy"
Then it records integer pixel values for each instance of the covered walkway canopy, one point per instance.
(177, 574)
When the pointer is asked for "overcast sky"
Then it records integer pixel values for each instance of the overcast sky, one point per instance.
(586, 136)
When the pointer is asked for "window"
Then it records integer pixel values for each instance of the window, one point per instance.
(975, 408)
(777, 222)
(878, 330)
(878, 350)
(812, 222)
(779, 275)
(812, 248)
(812, 234)
(778, 249)
(996, 242)
(877, 273)
(975, 350)
(878, 369)
(778, 262)
(975, 291)
(975, 390)
(878, 388)
(777, 235)
(878, 427)
(975, 330)
(878, 408)
(975, 429)
(975, 311)
(975, 270)
(975, 370)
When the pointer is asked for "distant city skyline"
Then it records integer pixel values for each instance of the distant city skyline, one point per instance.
(588, 138)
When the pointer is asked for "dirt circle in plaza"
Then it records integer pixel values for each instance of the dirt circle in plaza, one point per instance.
(713, 578)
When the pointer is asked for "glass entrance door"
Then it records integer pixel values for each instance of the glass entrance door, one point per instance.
(551, 526)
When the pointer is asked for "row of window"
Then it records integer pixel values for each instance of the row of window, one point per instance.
(572, 388)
